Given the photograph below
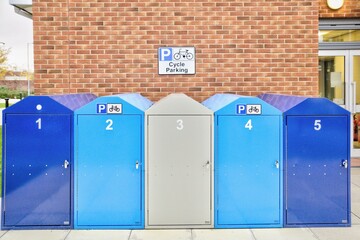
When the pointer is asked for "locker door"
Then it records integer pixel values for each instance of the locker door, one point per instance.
(108, 171)
(247, 177)
(316, 178)
(179, 164)
(37, 185)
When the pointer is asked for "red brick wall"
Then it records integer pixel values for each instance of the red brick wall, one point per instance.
(110, 46)
(350, 9)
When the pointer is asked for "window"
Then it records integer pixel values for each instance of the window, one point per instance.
(339, 36)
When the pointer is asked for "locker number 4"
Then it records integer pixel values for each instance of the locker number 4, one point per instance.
(248, 125)
(317, 125)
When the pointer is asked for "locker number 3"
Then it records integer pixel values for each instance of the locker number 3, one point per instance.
(180, 124)
(317, 125)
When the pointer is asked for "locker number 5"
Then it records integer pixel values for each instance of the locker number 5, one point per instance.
(180, 124)
(317, 125)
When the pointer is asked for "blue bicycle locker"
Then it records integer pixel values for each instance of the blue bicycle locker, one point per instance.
(317, 161)
(248, 162)
(109, 171)
(37, 161)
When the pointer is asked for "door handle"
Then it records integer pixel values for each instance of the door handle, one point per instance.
(344, 163)
(66, 164)
(207, 164)
(137, 165)
(277, 165)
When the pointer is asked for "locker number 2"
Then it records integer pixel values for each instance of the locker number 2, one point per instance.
(317, 125)
(180, 124)
(248, 125)
(109, 126)
(38, 123)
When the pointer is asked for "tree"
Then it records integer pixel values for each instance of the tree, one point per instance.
(3, 59)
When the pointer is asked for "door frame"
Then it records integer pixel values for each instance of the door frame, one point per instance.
(349, 87)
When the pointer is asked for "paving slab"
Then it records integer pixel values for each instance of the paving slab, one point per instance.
(98, 235)
(183, 234)
(355, 179)
(355, 208)
(284, 234)
(355, 193)
(355, 171)
(2, 233)
(35, 235)
(352, 233)
(355, 220)
(224, 234)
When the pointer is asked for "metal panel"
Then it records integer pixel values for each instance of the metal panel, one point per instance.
(178, 103)
(316, 177)
(73, 101)
(179, 170)
(247, 171)
(109, 166)
(37, 184)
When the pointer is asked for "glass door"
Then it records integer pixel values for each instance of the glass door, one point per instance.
(339, 81)
(355, 93)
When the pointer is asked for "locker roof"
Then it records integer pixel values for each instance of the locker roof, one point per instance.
(50, 104)
(132, 103)
(297, 105)
(229, 104)
(178, 103)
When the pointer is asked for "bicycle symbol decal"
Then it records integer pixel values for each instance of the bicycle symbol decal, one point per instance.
(114, 108)
(253, 109)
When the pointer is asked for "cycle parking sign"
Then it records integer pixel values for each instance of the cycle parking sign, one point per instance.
(176, 60)
(248, 109)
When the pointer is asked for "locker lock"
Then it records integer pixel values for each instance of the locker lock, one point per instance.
(66, 164)
(207, 164)
(137, 165)
(345, 163)
(277, 164)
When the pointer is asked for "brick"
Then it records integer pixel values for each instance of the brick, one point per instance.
(243, 47)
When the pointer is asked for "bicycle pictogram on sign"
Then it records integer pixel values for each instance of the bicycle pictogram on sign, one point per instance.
(183, 55)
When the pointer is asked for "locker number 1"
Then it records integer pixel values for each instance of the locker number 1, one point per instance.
(39, 123)
(317, 125)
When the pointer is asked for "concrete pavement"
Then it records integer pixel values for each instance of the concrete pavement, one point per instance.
(349, 233)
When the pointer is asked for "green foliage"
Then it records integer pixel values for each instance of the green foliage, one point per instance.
(3, 55)
(8, 93)
(3, 59)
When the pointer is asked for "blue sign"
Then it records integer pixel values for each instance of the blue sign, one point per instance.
(101, 108)
(241, 109)
(165, 54)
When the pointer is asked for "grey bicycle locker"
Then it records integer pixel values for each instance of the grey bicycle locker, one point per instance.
(179, 184)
